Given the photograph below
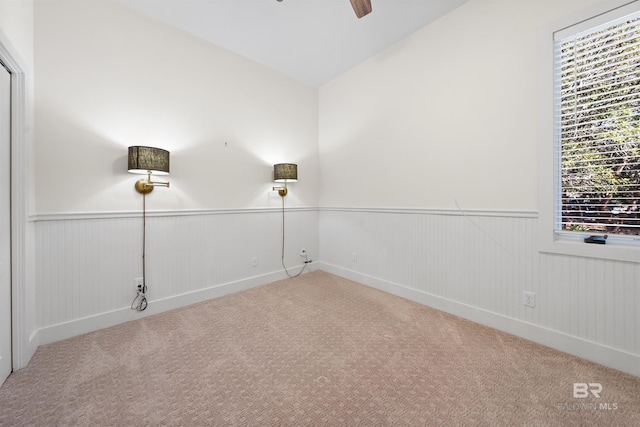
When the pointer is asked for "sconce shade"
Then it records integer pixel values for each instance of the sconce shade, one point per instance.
(148, 159)
(285, 172)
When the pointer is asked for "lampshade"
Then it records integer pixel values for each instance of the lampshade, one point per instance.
(148, 159)
(285, 172)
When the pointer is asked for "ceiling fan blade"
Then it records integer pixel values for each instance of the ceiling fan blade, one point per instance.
(361, 7)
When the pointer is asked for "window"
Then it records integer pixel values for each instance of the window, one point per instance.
(597, 126)
(596, 100)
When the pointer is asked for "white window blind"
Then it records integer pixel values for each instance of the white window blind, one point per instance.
(598, 126)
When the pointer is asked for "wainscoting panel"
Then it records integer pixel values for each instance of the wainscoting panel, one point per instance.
(480, 260)
(595, 299)
(86, 264)
(477, 265)
(472, 264)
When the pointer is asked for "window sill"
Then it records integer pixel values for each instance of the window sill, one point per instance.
(611, 250)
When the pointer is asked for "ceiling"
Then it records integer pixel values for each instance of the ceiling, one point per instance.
(312, 41)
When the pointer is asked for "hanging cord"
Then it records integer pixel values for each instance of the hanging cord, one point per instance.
(306, 258)
(480, 228)
(140, 301)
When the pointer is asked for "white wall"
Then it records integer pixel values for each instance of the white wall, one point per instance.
(428, 165)
(109, 77)
(448, 113)
(16, 22)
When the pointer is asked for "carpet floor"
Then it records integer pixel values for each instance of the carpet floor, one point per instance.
(316, 350)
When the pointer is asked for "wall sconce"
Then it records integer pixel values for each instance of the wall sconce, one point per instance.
(287, 172)
(284, 172)
(148, 160)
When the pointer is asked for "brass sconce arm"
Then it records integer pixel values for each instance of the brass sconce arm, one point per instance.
(145, 186)
(282, 191)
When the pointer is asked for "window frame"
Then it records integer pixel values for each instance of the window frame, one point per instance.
(550, 239)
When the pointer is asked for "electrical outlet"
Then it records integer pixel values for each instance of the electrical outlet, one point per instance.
(354, 257)
(303, 252)
(528, 299)
(254, 261)
(139, 283)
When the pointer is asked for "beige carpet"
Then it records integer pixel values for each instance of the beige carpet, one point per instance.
(315, 350)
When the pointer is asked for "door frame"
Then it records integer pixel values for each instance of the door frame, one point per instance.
(23, 300)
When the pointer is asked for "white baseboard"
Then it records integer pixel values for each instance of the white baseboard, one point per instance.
(81, 326)
(598, 353)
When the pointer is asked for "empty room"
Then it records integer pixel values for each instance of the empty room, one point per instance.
(319, 212)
